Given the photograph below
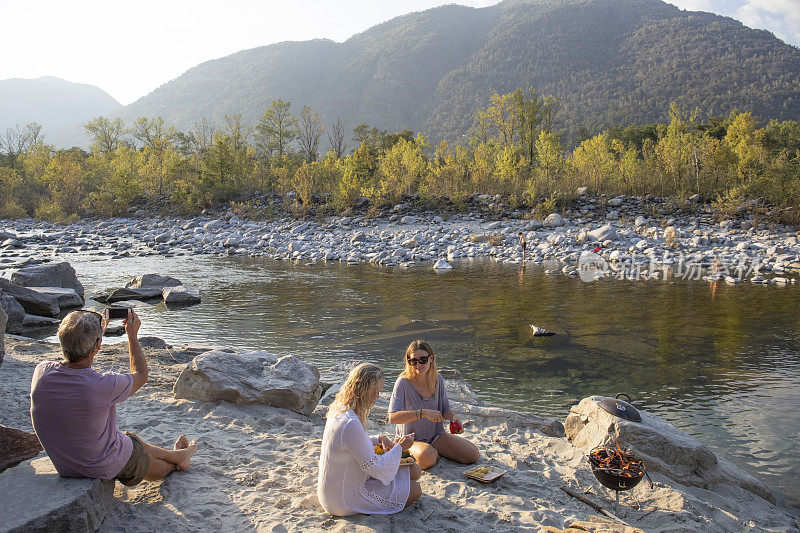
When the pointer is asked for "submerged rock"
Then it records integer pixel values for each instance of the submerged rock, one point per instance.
(181, 295)
(662, 446)
(251, 378)
(153, 342)
(152, 281)
(441, 264)
(541, 332)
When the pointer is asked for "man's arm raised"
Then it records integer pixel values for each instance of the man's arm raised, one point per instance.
(138, 362)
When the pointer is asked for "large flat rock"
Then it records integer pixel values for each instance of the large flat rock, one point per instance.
(54, 275)
(251, 378)
(36, 498)
(33, 302)
(66, 298)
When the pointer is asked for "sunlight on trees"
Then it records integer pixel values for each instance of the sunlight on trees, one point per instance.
(514, 149)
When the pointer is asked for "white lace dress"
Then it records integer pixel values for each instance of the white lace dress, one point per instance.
(352, 477)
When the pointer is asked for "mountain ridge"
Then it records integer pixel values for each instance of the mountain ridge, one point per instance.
(61, 107)
(609, 61)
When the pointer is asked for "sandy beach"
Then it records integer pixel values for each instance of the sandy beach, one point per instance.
(256, 469)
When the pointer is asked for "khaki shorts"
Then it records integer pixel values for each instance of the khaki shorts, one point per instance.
(137, 466)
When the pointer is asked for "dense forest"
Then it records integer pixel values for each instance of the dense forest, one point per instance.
(515, 148)
(608, 61)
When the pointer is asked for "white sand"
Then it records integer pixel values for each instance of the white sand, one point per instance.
(256, 470)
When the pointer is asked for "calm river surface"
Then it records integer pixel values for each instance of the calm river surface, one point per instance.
(725, 369)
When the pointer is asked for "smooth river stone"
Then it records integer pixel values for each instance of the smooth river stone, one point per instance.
(251, 378)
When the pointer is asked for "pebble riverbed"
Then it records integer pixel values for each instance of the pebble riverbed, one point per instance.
(625, 235)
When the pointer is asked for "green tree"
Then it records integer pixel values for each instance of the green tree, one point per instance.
(107, 135)
(276, 130)
(529, 108)
(157, 148)
(594, 161)
(403, 168)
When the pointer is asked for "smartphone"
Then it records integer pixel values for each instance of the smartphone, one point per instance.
(118, 313)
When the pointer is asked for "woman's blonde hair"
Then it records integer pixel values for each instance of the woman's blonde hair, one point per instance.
(355, 390)
(433, 374)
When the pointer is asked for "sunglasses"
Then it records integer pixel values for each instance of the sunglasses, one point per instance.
(421, 361)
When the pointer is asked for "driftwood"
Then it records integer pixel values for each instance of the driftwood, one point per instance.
(587, 502)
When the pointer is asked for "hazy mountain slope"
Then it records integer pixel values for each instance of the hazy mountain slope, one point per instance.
(59, 106)
(610, 61)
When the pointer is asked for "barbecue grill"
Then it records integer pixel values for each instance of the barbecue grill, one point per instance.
(621, 409)
(617, 468)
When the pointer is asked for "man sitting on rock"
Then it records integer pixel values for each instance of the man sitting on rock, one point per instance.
(73, 409)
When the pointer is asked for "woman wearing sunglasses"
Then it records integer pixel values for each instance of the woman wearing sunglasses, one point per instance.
(419, 405)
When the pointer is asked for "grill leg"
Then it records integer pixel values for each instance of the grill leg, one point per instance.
(617, 506)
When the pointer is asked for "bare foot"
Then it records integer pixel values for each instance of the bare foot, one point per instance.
(185, 454)
(181, 443)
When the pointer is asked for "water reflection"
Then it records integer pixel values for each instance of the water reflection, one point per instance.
(726, 369)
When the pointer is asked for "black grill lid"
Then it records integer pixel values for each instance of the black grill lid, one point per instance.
(621, 409)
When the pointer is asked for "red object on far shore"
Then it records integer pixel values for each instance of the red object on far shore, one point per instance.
(455, 427)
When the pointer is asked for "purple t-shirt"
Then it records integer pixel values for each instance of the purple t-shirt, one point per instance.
(406, 398)
(74, 415)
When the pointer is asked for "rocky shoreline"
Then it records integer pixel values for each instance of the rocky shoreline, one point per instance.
(633, 237)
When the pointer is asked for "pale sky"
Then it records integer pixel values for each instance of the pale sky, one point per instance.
(130, 48)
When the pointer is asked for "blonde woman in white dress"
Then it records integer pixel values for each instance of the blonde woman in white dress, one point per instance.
(352, 477)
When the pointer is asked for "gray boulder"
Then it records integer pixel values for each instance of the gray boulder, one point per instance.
(33, 302)
(181, 295)
(14, 312)
(152, 281)
(603, 233)
(122, 295)
(36, 498)
(153, 342)
(662, 446)
(553, 220)
(251, 378)
(540, 331)
(52, 275)
(36, 321)
(65, 297)
(358, 237)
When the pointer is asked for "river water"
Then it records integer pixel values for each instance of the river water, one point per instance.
(724, 367)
